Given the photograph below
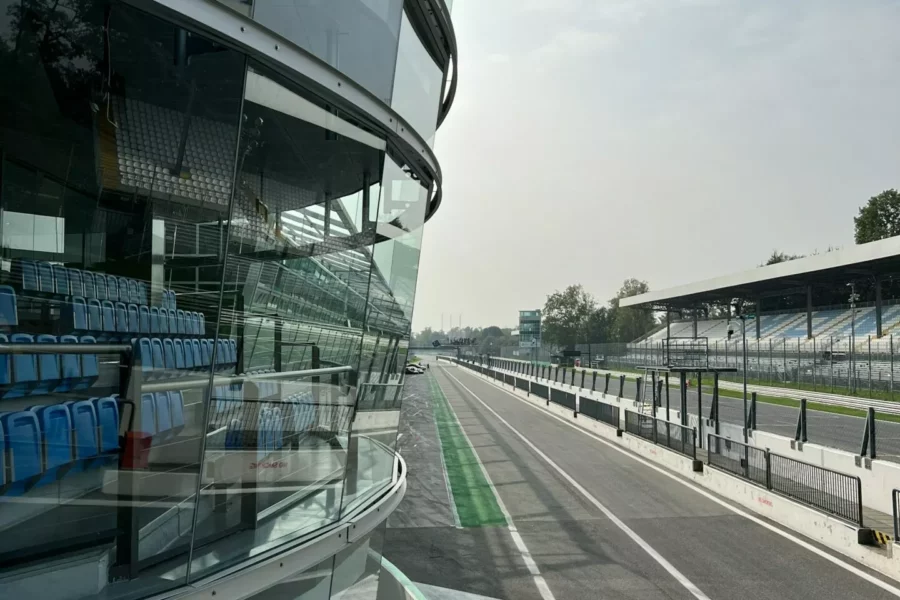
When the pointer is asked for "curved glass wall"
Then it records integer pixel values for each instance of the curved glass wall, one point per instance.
(207, 278)
(417, 84)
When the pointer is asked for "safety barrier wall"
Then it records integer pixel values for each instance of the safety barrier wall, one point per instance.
(607, 413)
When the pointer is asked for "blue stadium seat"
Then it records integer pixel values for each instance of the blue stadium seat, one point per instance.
(124, 292)
(48, 367)
(45, 278)
(173, 321)
(102, 290)
(143, 319)
(206, 352)
(90, 286)
(108, 418)
(179, 355)
(176, 408)
(134, 325)
(24, 369)
(142, 293)
(70, 366)
(143, 351)
(180, 322)
(169, 356)
(221, 355)
(232, 344)
(9, 314)
(147, 421)
(95, 315)
(198, 354)
(188, 355)
(170, 299)
(5, 364)
(154, 319)
(159, 364)
(202, 324)
(134, 295)
(163, 321)
(29, 276)
(85, 427)
(108, 316)
(195, 323)
(163, 415)
(23, 440)
(76, 283)
(55, 423)
(3, 469)
(90, 368)
(121, 317)
(60, 280)
(74, 315)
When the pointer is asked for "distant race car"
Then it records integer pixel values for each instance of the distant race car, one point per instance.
(414, 370)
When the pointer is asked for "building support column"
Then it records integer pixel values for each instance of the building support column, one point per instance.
(878, 306)
(808, 311)
(758, 316)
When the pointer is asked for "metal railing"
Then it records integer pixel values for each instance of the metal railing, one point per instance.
(562, 398)
(522, 384)
(739, 459)
(600, 411)
(832, 492)
(895, 509)
(676, 437)
(540, 390)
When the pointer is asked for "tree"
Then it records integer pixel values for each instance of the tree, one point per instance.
(879, 218)
(780, 257)
(628, 324)
(567, 316)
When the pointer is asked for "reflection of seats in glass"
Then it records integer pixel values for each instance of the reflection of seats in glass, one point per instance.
(154, 320)
(49, 373)
(60, 280)
(76, 283)
(198, 354)
(74, 315)
(173, 321)
(108, 316)
(202, 324)
(45, 278)
(206, 351)
(70, 367)
(9, 316)
(176, 408)
(90, 368)
(133, 320)
(143, 319)
(86, 430)
(23, 445)
(158, 361)
(179, 354)
(169, 356)
(179, 321)
(163, 415)
(121, 317)
(108, 418)
(95, 315)
(134, 295)
(124, 292)
(148, 414)
(102, 290)
(29, 278)
(90, 287)
(142, 293)
(56, 432)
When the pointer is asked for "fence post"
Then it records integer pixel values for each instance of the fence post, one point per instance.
(606, 387)
(594, 382)
(870, 365)
(638, 382)
(871, 426)
(582, 379)
(800, 434)
(892, 370)
(768, 470)
(798, 363)
(815, 359)
(621, 386)
(556, 375)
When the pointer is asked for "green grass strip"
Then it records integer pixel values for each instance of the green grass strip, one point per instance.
(475, 499)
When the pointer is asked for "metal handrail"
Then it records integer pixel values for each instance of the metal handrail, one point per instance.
(46, 348)
(895, 494)
(219, 380)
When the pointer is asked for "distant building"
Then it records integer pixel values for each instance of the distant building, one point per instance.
(530, 328)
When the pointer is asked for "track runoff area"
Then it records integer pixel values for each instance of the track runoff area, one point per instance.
(587, 519)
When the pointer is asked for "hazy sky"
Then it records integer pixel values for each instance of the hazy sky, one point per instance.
(669, 140)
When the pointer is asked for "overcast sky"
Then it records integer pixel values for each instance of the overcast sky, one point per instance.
(668, 140)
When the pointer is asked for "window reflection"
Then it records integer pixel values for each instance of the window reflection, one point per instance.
(417, 84)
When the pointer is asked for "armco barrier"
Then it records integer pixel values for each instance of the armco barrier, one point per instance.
(739, 459)
(522, 384)
(835, 493)
(509, 379)
(541, 391)
(600, 411)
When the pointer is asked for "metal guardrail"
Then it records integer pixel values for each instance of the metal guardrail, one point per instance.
(600, 411)
(169, 385)
(831, 492)
(895, 506)
(673, 436)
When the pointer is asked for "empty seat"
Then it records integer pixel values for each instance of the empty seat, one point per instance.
(163, 321)
(45, 278)
(29, 279)
(142, 293)
(85, 427)
(173, 321)
(70, 366)
(198, 354)
(102, 290)
(134, 325)
(154, 320)
(49, 374)
(147, 421)
(195, 323)
(169, 299)
(108, 419)
(5, 364)
(169, 356)
(221, 355)
(90, 368)
(159, 364)
(180, 322)
(24, 369)
(176, 409)
(202, 324)
(90, 286)
(60, 280)
(74, 315)
(124, 292)
(108, 316)
(95, 315)
(112, 288)
(23, 440)
(143, 352)
(206, 352)
(144, 319)
(121, 317)
(9, 314)
(76, 283)
(55, 423)
(188, 355)
(179, 354)
(232, 344)
(133, 295)
(163, 414)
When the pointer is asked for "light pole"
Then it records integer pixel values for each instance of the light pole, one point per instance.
(854, 297)
(744, 350)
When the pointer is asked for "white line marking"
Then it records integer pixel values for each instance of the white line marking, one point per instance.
(532, 567)
(437, 434)
(659, 558)
(785, 534)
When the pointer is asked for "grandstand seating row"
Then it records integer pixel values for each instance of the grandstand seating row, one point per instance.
(102, 317)
(167, 357)
(36, 374)
(45, 278)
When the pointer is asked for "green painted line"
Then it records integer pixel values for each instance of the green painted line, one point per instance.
(474, 497)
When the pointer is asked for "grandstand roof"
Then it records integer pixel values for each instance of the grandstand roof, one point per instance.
(838, 266)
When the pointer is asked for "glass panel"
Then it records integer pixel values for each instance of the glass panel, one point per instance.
(417, 84)
(119, 133)
(357, 37)
(295, 292)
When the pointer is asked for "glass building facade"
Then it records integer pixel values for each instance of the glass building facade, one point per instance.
(211, 215)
